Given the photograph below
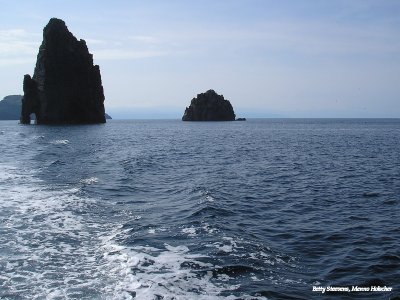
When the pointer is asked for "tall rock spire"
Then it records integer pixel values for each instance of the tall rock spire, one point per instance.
(66, 87)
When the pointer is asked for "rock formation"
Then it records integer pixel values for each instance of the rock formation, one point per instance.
(66, 87)
(10, 108)
(209, 106)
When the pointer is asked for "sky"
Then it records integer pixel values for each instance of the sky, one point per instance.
(286, 58)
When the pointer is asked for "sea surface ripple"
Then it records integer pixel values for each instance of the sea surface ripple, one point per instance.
(164, 209)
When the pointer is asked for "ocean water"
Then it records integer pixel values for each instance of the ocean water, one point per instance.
(262, 209)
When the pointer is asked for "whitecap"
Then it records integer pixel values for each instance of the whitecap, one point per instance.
(90, 180)
(210, 198)
(59, 142)
(190, 231)
(225, 248)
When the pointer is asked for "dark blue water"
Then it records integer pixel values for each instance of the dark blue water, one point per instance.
(263, 209)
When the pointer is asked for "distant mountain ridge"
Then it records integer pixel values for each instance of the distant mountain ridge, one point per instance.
(10, 108)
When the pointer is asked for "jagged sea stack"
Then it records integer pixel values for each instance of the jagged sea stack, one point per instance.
(66, 87)
(209, 106)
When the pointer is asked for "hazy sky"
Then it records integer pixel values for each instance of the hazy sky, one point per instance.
(293, 58)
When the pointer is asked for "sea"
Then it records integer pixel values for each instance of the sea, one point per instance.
(165, 209)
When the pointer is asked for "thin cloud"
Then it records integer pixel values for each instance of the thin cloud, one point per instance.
(121, 54)
(330, 38)
(17, 46)
(16, 61)
(129, 48)
(13, 33)
(95, 42)
(305, 38)
(145, 39)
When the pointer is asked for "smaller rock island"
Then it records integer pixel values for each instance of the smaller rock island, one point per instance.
(209, 106)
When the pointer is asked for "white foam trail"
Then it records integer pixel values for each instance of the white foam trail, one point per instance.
(147, 272)
(49, 250)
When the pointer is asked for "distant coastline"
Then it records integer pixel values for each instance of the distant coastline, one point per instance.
(10, 108)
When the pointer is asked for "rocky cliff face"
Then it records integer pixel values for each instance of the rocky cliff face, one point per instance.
(66, 87)
(209, 106)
